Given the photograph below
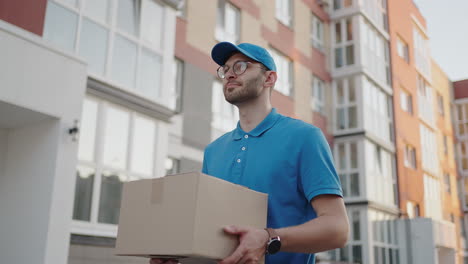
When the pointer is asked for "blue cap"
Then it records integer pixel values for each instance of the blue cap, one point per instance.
(222, 51)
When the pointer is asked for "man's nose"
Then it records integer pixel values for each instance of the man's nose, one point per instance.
(229, 74)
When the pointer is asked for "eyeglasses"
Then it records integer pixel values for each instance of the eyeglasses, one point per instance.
(238, 68)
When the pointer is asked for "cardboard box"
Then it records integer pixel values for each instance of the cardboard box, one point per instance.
(182, 216)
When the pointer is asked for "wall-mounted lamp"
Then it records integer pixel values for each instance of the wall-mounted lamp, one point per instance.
(74, 131)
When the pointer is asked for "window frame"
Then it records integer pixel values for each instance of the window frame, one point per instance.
(317, 35)
(93, 226)
(347, 104)
(222, 22)
(285, 17)
(284, 66)
(346, 41)
(318, 102)
(161, 51)
(410, 158)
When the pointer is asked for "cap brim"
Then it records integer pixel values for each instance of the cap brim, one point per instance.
(222, 51)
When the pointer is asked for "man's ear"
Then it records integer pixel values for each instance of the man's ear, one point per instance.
(270, 79)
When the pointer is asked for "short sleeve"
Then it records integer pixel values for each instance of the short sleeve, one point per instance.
(317, 171)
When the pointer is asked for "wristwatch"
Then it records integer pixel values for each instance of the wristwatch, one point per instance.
(274, 242)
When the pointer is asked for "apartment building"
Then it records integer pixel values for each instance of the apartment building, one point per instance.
(96, 93)
(460, 114)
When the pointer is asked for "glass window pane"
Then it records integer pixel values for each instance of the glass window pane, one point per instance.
(344, 184)
(83, 193)
(338, 32)
(340, 91)
(128, 16)
(341, 119)
(88, 130)
(60, 26)
(124, 61)
(356, 226)
(111, 194)
(149, 75)
(338, 57)
(357, 254)
(352, 117)
(350, 55)
(97, 9)
(344, 255)
(336, 4)
(152, 22)
(143, 146)
(351, 90)
(342, 156)
(354, 178)
(93, 46)
(349, 29)
(116, 138)
(353, 156)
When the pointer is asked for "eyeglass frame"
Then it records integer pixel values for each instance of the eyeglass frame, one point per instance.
(223, 75)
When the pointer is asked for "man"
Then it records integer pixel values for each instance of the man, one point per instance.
(284, 157)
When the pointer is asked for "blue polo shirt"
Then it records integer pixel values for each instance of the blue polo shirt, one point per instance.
(286, 158)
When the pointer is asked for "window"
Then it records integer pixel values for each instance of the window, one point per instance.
(410, 157)
(376, 11)
(227, 22)
(375, 53)
(440, 104)
(429, 157)
(412, 209)
(172, 166)
(462, 120)
(346, 156)
(378, 111)
(447, 185)
(432, 199)
(317, 34)
(176, 92)
(463, 156)
(116, 145)
(284, 11)
(385, 238)
(352, 252)
(318, 95)
(120, 40)
(340, 4)
(343, 43)
(380, 168)
(225, 115)
(445, 144)
(284, 68)
(425, 101)
(422, 56)
(406, 102)
(345, 104)
(402, 49)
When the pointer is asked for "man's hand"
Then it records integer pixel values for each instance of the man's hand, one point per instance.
(252, 245)
(163, 261)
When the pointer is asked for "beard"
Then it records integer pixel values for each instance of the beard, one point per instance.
(241, 94)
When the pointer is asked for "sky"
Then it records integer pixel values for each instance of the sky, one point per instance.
(447, 27)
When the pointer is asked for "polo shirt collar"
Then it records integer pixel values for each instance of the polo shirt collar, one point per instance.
(266, 124)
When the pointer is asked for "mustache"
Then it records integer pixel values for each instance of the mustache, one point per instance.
(233, 82)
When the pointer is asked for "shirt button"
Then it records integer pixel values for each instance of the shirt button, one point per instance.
(243, 148)
(246, 136)
(238, 160)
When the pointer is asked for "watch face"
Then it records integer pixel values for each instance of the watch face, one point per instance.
(274, 246)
